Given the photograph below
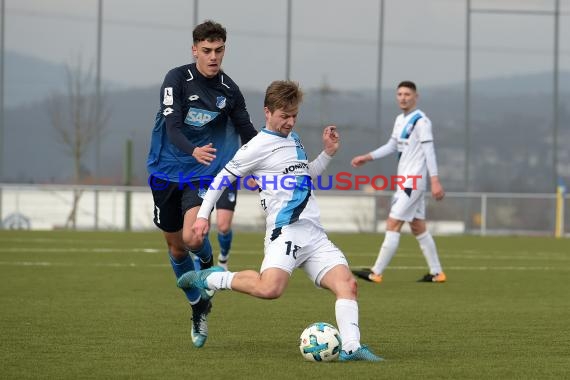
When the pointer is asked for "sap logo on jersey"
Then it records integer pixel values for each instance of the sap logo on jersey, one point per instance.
(199, 118)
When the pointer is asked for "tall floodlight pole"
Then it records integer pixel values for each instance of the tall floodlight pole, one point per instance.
(2, 29)
(98, 118)
(288, 40)
(555, 92)
(379, 93)
(380, 63)
(195, 12)
(467, 93)
(556, 15)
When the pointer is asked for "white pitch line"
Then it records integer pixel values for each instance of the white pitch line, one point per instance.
(465, 254)
(451, 253)
(67, 264)
(490, 257)
(399, 267)
(47, 240)
(81, 250)
(485, 268)
(554, 256)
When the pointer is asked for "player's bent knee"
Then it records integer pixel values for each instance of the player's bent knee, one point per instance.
(416, 230)
(269, 293)
(178, 254)
(349, 289)
(176, 249)
(269, 290)
(345, 288)
(224, 228)
(418, 227)
(193, 241)
(353, 285)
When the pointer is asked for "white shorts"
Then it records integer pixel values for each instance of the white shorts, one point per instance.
(408, 207)
(302, 245)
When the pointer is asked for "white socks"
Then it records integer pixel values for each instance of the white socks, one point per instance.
(390, 245)
(429, 250)
(387, 251)
(347, 320)
(220, 280)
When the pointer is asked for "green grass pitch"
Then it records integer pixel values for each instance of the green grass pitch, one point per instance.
(105, 305)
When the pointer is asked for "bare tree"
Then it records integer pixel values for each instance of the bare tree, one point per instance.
(78, 116)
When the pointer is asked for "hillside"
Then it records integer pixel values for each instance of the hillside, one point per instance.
(511, 133)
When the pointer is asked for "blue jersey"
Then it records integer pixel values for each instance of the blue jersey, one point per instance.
(204, 110)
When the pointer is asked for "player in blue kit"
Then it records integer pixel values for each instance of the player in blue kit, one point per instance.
(198, 127)
(294, 235)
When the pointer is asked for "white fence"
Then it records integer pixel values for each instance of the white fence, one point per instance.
(47, 207)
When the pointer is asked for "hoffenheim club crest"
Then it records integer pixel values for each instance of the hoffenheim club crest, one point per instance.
(220, 102)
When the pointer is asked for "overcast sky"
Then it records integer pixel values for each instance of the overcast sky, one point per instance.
(334, 41)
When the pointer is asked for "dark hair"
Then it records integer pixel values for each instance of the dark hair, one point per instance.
(282, 94)
(408, 84)
(209, 31)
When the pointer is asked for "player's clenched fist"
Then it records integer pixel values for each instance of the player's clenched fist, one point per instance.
(331, 140)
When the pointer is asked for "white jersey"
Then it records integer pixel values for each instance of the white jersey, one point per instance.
(280, 167)
(410, 131)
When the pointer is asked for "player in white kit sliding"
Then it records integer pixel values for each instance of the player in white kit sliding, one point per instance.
(294, 237)
(412, 138)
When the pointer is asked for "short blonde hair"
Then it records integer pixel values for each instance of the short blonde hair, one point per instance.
(282, 94)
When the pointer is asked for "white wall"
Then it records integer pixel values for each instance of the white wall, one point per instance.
(48, 207)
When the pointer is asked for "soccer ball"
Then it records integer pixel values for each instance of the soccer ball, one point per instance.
(320, 342)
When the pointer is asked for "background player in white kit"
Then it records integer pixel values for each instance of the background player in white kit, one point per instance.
(294, 237)
(412, 138)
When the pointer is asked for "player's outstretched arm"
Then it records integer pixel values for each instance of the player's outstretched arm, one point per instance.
(204, 154)
(390, 147)
(360, 160)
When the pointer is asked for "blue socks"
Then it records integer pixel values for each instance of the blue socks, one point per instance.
(203, 254)
(225, 241)
(181, 267)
